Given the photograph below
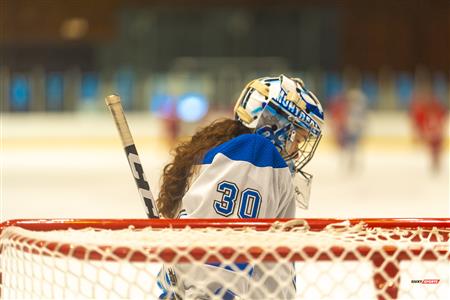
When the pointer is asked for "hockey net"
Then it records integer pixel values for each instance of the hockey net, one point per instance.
(226, 259)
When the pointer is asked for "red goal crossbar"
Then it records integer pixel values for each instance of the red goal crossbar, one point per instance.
(258, 224)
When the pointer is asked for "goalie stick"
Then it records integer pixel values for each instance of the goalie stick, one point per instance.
(113, 102)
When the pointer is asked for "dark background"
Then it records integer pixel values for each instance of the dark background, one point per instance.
(330, 34)
(143, 38)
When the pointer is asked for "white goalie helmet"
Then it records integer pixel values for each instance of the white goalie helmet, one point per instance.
(282, 110)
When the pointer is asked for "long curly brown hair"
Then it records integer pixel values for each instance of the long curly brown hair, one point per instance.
(176, 175)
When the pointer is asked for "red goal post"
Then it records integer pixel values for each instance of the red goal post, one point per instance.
(49, 247)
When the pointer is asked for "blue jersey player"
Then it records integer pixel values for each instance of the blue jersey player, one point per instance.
(247, 167)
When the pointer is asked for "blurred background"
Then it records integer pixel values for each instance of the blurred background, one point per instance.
(380, 68)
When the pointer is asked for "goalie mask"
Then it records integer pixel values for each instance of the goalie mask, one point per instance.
(282, 110)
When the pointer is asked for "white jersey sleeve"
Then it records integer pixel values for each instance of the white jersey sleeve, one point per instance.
(245, 177)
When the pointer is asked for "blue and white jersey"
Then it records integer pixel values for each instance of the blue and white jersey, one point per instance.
(245, 177)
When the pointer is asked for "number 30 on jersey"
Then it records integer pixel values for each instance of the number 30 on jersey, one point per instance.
(248, 202)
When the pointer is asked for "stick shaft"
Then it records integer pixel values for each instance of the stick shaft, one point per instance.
(113, 102)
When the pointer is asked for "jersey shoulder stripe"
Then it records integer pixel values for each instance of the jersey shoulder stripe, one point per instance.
(252, 148)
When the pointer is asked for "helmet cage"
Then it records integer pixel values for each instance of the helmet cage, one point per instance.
(305, 152)
(280, 126)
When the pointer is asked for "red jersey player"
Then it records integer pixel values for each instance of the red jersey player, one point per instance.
(429, 116)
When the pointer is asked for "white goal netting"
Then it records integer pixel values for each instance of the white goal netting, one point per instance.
(226, 259)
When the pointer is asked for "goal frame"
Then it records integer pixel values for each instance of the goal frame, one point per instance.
(389, 285)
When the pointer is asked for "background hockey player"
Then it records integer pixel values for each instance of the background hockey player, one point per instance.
(429, 120)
